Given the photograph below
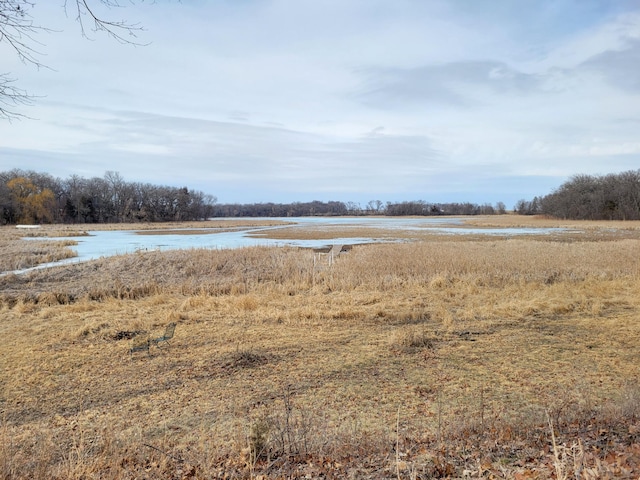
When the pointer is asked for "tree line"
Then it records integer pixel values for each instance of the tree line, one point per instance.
(32, 198)
(615, 196)
(335, 208)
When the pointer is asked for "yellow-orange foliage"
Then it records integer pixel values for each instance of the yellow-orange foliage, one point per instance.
(35, 205)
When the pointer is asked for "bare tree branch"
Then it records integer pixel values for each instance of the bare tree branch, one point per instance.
(11, 96)
(18, 32)
(120, 30)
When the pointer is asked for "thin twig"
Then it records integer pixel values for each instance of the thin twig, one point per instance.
(557, 463)
(178, 459)
(398, 444)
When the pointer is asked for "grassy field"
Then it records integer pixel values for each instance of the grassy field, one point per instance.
(446, 357)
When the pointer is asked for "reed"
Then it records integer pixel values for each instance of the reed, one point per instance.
(417, 360)
(22, 254)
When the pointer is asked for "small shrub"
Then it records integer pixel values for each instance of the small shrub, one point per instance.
(246, 358)
(258, 439)
(415, 338)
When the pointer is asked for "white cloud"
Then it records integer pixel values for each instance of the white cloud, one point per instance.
(287, 100)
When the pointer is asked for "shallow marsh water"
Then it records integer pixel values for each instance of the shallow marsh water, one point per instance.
(117, 242)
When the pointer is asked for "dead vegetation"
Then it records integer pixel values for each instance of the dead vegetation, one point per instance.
(479, 359)
(18, 253)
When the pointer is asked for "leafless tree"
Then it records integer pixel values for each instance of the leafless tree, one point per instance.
(19, 34)
(108, 199)
(615, 196)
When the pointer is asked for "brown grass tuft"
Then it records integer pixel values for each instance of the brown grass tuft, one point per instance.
(423, 359)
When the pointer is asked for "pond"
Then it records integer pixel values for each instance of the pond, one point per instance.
(116, 242)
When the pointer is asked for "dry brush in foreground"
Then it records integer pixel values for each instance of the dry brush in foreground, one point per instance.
(421, 360)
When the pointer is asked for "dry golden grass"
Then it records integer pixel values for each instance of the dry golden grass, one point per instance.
(18, 254)
(222, 223)
(574, 230)
(541, 221)
(414, 360)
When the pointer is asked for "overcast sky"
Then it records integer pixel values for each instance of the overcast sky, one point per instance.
(351, 100)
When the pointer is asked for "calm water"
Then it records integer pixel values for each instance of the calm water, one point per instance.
(107, 243)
